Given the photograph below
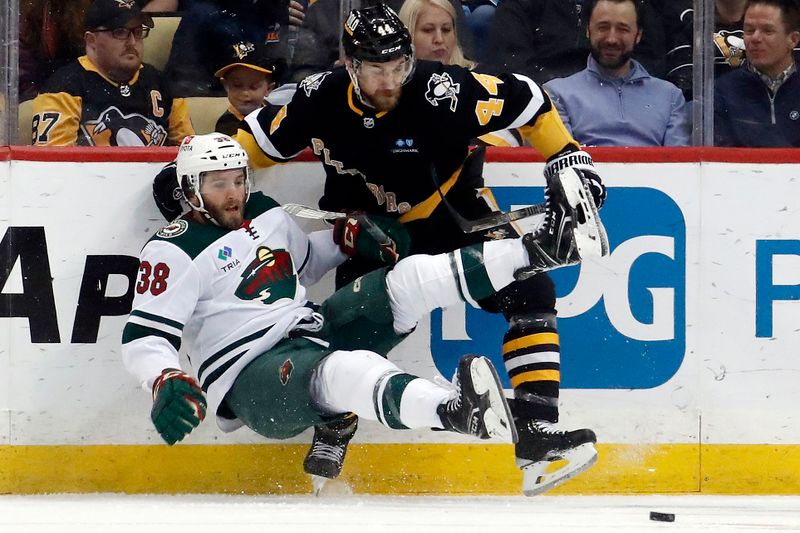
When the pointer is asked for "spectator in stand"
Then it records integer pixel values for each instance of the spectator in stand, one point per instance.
(758, 105)
(614, 101)
(50, 36)
(247, 78)
(318, 39)
(209, 26)
(432, 24)
(109, 97)
(727, 37)
(546, 39)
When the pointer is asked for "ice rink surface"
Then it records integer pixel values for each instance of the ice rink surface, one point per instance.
(112, 513)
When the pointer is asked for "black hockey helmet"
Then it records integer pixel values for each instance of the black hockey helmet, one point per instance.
(376, 33)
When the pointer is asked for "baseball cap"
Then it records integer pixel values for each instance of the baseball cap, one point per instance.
(112, 14)
(246, 54)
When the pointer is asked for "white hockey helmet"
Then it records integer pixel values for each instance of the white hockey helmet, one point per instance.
(199, 154)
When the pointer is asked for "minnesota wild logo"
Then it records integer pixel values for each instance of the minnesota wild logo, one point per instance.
(269, 277)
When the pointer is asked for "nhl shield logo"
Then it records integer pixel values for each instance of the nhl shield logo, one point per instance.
(285, 371)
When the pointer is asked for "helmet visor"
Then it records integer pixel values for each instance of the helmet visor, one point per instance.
(395, 72)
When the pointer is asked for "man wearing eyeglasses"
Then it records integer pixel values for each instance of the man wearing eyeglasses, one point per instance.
(108, 97)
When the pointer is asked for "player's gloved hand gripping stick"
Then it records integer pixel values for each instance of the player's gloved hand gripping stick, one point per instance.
(373, 237)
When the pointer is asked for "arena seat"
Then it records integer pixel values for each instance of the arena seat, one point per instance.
(205, 110)
(158, 44)
(24, 123)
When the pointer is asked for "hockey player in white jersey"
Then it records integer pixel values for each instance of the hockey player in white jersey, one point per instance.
(225, 279)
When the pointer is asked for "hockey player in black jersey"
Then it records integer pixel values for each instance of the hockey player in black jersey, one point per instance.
(394, 137)
(390, 131)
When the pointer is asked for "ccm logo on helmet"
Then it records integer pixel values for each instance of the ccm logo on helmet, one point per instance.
(390, 50)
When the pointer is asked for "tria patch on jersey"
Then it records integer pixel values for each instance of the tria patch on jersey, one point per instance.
(442, 87)
(285, 371)
(174, 229)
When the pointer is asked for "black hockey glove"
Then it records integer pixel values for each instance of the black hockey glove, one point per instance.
(179, 405)
(167, 194)
(582, 161)
(378, 238)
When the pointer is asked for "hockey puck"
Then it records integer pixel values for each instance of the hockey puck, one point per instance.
(662, 517)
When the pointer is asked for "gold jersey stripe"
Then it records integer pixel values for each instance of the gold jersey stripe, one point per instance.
(427, 206)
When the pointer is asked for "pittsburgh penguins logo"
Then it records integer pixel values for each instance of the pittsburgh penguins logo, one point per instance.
(269, 277)
(730, 45)
(442, 87)
(241, 50)
(113, 128)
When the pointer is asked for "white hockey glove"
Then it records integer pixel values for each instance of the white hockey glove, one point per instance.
(582, 161)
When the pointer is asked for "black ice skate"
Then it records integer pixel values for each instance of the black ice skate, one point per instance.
(328, 448)
(571, 229)
(478, 406)
(549, 456)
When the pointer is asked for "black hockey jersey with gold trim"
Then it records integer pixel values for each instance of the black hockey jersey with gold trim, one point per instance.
(79, 106)
(391, 162)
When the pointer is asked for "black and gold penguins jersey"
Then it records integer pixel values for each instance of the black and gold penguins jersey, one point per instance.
(391, 163)
(79, 106)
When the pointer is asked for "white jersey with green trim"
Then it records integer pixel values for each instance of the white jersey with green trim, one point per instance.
(230, 294)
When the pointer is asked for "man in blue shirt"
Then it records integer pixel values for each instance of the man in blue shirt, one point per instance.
(614, 101)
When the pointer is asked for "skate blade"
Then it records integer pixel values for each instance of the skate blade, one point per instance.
(542, 476)
(324, 487)
(588, 232)
(497, 419)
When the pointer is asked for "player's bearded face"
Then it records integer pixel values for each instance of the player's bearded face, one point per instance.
(224, 193)
(381, 83)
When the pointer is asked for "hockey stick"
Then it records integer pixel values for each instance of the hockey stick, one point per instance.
(489, 221)
(303, 211)
(467, 226)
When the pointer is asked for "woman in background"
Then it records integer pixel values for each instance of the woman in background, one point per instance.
(433, 31)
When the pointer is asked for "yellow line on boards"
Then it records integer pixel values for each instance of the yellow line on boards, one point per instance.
(393, 469)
